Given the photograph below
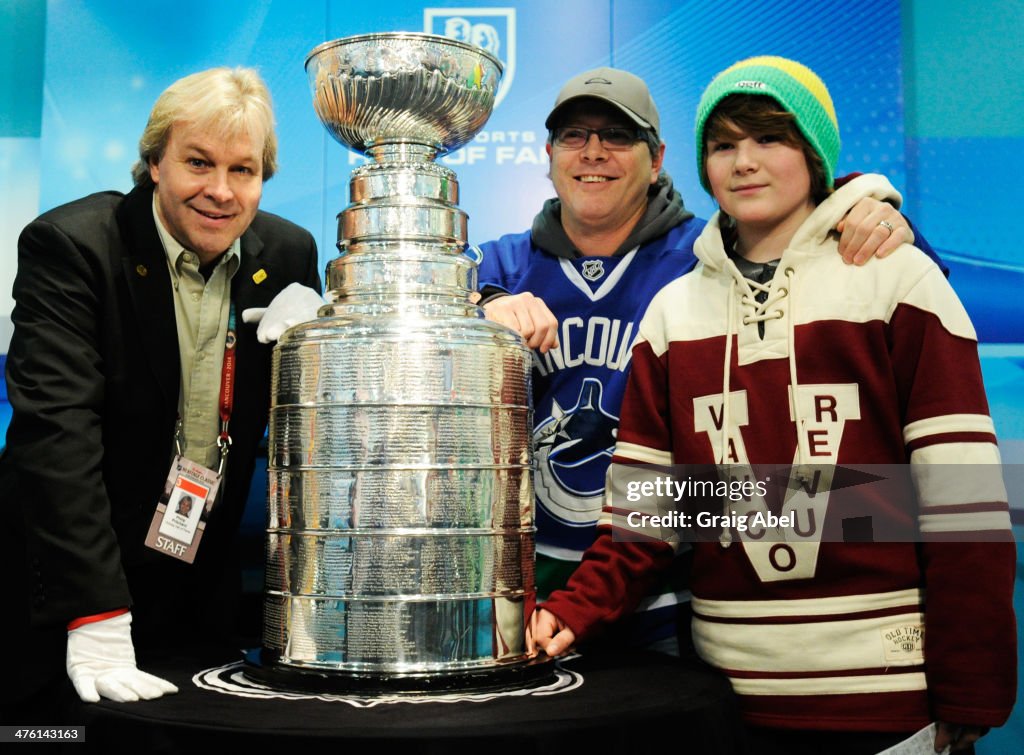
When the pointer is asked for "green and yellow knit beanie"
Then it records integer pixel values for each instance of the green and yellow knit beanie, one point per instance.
(794, 86)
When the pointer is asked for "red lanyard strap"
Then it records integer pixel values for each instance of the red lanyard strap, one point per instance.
(227, 388)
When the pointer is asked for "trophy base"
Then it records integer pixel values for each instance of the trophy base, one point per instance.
(261, 666)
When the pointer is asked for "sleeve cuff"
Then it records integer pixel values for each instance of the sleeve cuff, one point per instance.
(82, 621)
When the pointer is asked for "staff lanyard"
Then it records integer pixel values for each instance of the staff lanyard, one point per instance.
(227, 389)
(226, 397)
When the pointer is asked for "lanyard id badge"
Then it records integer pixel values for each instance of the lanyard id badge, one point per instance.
(180, 518)
(191, 489)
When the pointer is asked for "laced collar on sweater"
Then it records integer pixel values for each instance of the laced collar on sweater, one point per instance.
(759, 275)
(780, 303)
(759, 304)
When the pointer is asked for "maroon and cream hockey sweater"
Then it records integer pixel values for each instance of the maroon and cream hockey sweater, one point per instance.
(882, 362)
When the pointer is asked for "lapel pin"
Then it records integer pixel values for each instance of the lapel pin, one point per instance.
(141, 270)
(259, 276)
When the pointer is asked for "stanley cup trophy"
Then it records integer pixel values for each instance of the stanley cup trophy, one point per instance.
(400, 535)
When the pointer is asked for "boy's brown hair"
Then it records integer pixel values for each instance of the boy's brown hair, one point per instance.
(740, 114)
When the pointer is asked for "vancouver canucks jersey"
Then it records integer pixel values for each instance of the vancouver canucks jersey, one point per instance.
(578, 387)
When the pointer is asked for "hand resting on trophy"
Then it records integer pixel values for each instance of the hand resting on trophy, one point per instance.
(528, 315)
(549, 633)
(295, 305)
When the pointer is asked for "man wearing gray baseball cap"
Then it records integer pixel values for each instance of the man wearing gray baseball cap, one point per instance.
(576, 286)
(627, 92)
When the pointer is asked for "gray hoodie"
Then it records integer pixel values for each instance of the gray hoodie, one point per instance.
(665, 211)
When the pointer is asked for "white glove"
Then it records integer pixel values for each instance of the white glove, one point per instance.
(101, 661)
(294, 305)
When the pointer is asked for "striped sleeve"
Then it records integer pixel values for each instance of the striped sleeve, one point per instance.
(967, 551)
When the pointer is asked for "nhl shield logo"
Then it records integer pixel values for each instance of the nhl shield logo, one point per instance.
(493, 29)
(593, 269)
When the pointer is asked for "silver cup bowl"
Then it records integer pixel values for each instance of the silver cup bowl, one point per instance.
(375, 90)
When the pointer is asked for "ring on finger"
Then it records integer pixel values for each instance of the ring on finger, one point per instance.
(887, 226)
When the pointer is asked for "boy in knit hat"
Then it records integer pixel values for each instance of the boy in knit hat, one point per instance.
(823, 364)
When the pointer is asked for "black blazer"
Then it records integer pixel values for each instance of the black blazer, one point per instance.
(93, 377)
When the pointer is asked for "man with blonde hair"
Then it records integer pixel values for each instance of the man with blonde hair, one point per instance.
(128, 360)
(223, 101)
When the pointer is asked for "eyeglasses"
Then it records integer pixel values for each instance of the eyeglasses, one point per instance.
(613, 137)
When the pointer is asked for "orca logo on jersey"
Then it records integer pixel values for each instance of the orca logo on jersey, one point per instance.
(572, 448)
(593, 269)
